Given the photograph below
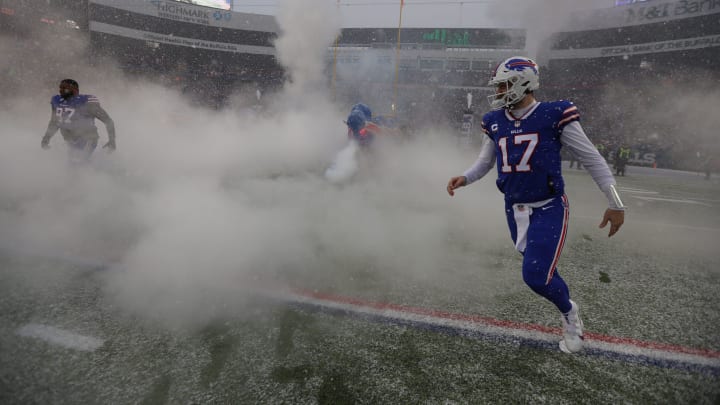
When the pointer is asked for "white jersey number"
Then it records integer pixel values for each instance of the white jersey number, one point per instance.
(524, 165)
(64, 114)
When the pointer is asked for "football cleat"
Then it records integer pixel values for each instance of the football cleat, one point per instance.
(572, 330)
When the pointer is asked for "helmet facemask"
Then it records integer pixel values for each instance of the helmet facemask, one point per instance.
(513, 93)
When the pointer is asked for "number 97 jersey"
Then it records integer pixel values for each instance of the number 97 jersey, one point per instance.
(528, 150)
(75, 114)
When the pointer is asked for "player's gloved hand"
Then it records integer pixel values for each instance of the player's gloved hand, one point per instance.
(616, 219)
(456, 182)
(110, 145)
(45, 143)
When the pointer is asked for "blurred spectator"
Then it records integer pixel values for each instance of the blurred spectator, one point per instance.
(621, 158)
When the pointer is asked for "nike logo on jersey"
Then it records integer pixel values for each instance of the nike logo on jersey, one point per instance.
(544, 208)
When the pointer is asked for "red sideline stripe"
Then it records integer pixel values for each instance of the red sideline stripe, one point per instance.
(430, 312)
(507, 324)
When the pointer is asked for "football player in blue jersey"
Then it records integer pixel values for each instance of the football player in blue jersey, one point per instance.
(360, 125)
(74, 115)
(524, 138)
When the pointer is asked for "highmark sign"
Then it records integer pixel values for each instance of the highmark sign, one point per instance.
(182, 12)
(190, 13)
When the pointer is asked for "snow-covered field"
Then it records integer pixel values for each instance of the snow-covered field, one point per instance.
(71, 332)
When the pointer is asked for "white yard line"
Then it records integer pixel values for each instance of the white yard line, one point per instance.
(60, 337)
(629, 190)
(685, 201)
(652, 223)
(636, 190)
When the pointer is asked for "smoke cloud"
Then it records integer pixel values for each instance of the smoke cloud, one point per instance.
(304, 40)
(541, 18)
(196, 206)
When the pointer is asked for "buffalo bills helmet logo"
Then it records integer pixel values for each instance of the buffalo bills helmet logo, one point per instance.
(520, 65)
(517, 64)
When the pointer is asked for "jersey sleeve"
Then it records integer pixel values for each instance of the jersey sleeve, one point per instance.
(485, 124)
(574, 138)
(568, 113)
(92, 99)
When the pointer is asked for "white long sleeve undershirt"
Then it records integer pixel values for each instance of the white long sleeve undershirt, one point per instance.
(574, 138)
(484, 162)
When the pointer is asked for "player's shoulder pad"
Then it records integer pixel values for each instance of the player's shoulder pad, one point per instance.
(371, 126)
(55, 99)
(560, 105)
(492, 115)
(488, 119)
(566, 111)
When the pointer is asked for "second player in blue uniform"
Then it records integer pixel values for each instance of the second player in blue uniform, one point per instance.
(74, 115)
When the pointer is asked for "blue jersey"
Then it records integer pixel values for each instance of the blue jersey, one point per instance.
(528, 150)
(75, 114)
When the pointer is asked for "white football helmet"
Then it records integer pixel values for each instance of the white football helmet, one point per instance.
(521, 75)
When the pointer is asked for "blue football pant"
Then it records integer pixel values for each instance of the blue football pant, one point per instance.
(542, 236)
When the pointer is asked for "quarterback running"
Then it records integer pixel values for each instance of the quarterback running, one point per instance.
(524, 138)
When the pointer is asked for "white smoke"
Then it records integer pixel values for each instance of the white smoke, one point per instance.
(345, 164)
(540, 18)
(195, 203)
(196, 206)
(305, 37)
